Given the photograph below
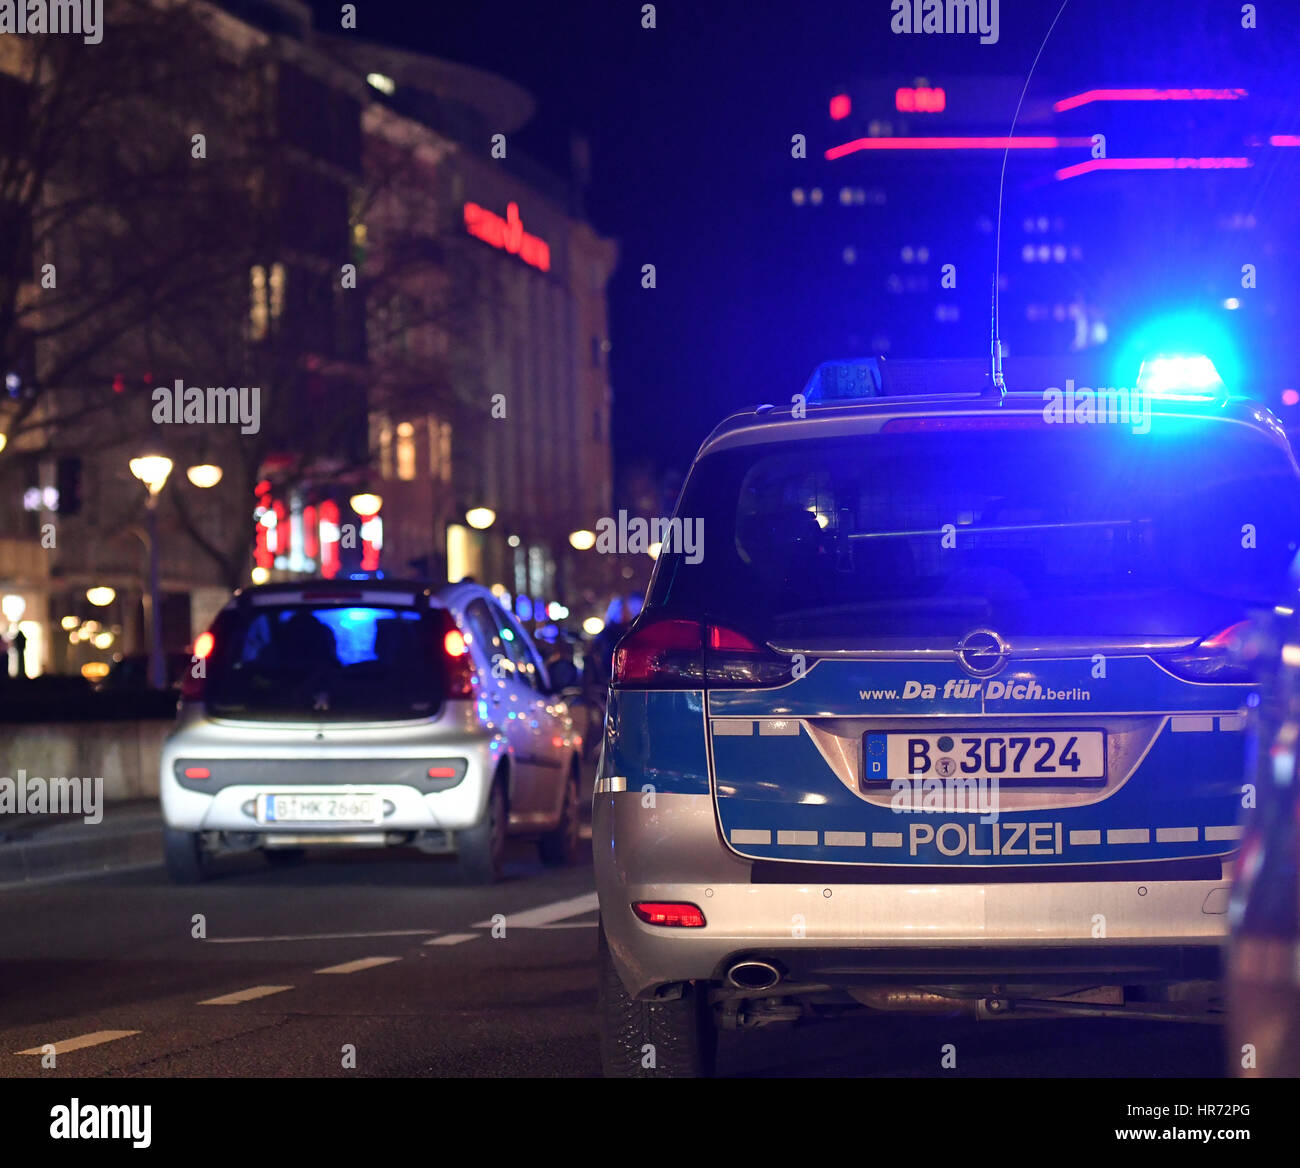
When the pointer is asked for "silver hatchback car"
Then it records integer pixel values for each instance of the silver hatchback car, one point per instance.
(368, 714)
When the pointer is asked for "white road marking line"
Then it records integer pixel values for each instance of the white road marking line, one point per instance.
(245, 995)
(95, 1038)
(547, 913)
(453, 938)
(359, 964)
(571, 925)
(322, 936)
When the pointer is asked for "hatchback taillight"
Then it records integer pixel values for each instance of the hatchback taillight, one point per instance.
(674, 653)
(457, 664)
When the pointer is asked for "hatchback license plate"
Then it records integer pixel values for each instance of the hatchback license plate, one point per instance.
(318, 808)
(1055, 756)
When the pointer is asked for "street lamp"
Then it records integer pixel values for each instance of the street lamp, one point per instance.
(366, 505)
(480, 518)
(204, 476)
(583, 540)
(152, 470)
(101, 596)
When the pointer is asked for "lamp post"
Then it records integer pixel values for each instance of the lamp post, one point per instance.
(152, 470)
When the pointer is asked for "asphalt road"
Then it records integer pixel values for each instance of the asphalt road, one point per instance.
(393, 957)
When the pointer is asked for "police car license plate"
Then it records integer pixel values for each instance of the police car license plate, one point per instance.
(1056, 756)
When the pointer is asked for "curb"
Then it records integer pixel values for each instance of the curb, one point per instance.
(56, 853)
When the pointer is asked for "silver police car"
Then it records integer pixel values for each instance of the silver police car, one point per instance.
(936, 715)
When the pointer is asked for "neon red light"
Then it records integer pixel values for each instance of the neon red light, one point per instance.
(1284, 140)
(952, 144)
(507, 234)
(1091, 95)
(329, 539)
(1153, 164)
(920, 100)
(1290, 397)
(841, 106)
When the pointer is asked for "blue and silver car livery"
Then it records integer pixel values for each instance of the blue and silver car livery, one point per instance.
(943, 718)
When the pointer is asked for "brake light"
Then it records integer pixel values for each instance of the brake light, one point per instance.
(669, 914)
(1214, 660)
(964, 422)
(203, 645)
(457, 664)
(678, 653)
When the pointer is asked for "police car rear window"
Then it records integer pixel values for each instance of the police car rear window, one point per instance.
(1055, 530)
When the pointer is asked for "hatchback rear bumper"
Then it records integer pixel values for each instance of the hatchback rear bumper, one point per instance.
(840, 931)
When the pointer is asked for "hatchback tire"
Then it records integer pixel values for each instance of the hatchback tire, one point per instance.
(677, 1038)
(481, 848)
(186, 859)
(559, 846)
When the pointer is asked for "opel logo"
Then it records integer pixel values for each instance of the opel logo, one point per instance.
(982, 653)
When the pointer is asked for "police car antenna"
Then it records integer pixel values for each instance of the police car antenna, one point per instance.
(999, 385)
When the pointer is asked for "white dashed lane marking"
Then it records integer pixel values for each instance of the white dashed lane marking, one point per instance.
(546, 914)
(247, 995)
(358, 965)
(321, 936)
(95, 1038)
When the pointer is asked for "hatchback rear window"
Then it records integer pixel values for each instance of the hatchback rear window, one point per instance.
(1049, 530)
(308, 662)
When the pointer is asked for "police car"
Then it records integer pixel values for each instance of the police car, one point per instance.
(943, 718)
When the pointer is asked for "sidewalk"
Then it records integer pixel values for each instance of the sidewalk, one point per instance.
(45, 847)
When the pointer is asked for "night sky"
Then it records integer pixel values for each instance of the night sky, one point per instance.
(690, 125)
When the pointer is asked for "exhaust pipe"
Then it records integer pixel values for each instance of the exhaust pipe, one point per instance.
(753, 975)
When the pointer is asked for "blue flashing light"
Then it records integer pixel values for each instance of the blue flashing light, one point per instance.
(1181, 377)
(848, 380)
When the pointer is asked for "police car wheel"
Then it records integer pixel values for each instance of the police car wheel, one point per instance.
(652, 1040)
(185, 857)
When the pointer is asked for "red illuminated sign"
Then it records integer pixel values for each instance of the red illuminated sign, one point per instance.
(920, 100)
(507, 234)
(841, 106)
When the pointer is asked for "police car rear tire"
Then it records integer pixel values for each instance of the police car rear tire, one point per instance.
(653, 1040)
(186, 859)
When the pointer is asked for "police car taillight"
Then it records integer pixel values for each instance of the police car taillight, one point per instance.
(669, 914)
(675, 653)
(1216, 659)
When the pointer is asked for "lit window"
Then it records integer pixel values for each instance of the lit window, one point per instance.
(277, 290)
(257, 312)
(405, 451)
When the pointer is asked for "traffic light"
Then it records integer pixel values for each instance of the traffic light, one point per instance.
(68, 481)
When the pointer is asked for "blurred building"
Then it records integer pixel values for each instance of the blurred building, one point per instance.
(427, 323)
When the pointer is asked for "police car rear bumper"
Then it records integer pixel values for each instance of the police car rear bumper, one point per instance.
(817, 928)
